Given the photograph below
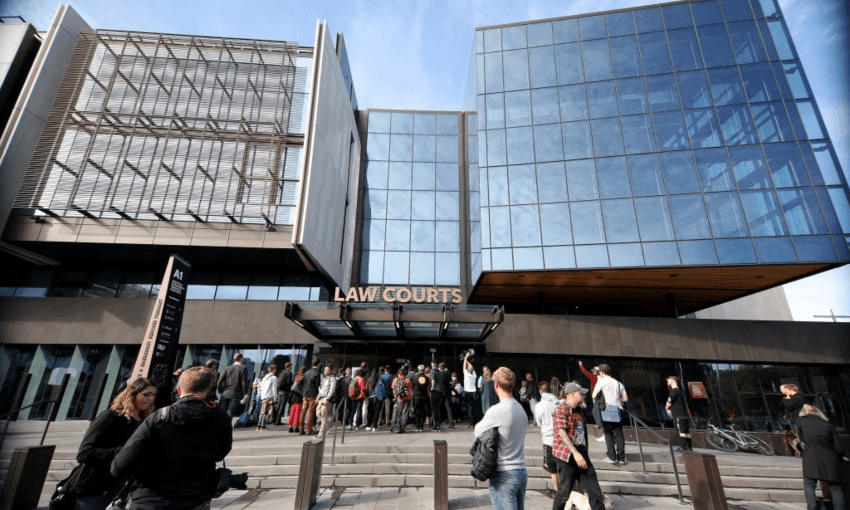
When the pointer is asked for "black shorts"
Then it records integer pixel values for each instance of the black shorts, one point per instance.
(549, 460)
(683, 425)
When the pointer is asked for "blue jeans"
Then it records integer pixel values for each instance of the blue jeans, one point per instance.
(507, 489)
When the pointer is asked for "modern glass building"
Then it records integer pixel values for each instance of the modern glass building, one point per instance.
(611, 177)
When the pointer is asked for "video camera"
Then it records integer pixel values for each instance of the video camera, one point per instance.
(470, 351)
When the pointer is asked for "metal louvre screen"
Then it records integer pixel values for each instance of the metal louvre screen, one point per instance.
(171, 127)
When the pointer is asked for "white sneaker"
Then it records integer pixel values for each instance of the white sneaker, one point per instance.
(320, 437)
(609, 461)
(600, 439)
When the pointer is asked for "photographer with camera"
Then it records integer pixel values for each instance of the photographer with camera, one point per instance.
(172, 455)
(470, 389)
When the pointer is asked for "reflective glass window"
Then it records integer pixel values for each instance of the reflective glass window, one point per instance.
(689, 217)
(516, 69)
(396, 267)
(517, 108)
(545, 105)
(424, 148)
(565, 30)
(496, 147)
(447, 205)
(500, 227)
(447, 177)
(736, 10)
(520, 145)
(685, 49)
(802, 212)
(655, 53)
(424, 176)
(493, 72)
(827, 163)
(378, 147)
(784, 88)
(726, 86)
(770, 8)
(796, 80)
(624, 51)
(479, 76)
(503, 259)
(814, 249)
(677, 16)
(493, 40)
(759, 83)
(663, 95)
(422, 236)
(513, 38)
(423, 205)
(613, 177)
(371, 267)
(648, 20)
(400, 175)
(447, 149)
(540, 34)
(555, 224)
(597, 60)
(402, 123)
(607, 137)
(707, 13)
(726, 215)
(495, 110)
(620, 23)
(528, 258)
(587, 222)
(654, 219)
(746, 43)
(374, 232)
(796, 121)
(448, 236)
(581, 180)
(679, 172)
(750, 168)
(632, 95)
(482, 117)
(568, 63)
(592, 27)
(422, 268)
(703, 128)
(401, 147)
(376, 174)
(736, 251)
(717, 50)
(625, 255)
(541, 61)
(638, 134)
(646, 177)
(447, 125)
(573, 102)
(811, 119)
(661, 254)
(737, 124)
(424, 124)
(523, 184)
(591, 256)
(772, 122)
(782, 39)
(498, 185)
(602, 98)
(775, 249)
(398, 205)
(379, 122)
(525, 225)
(715, 174)
(670, 130)
(768, 40)
(696, 253)
(620, 220)
(786, 165)
(559, 257)
(811, 163)
(551, 182)
(577, 142)
(398, 235)
(763, 213)
(548, 144)
(841, 204)
(376, 204)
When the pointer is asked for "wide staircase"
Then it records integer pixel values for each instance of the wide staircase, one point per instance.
(380, 459)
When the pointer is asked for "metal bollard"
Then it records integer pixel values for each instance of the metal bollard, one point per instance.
(441, 475)
(26, 476)
(309, 475)
(704, 481)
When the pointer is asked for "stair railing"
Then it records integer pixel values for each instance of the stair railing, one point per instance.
(51, 416)
(637, 421)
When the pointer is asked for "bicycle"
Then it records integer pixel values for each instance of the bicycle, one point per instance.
(730, 440)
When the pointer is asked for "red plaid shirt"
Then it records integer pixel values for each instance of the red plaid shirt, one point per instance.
(563, 418)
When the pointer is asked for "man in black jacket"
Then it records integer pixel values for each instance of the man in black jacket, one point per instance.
(284, 384)
(310, 385)
(234, 386)
(172, 455)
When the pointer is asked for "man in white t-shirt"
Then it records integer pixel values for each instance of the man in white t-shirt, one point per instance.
(615, 396)
(470, 393)
(543, 419)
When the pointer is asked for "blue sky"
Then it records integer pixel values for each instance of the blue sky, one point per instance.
(415, 54)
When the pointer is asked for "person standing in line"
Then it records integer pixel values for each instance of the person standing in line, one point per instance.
(615, 397)
(470, 392)
(267, 392)
(593, 375)
(357, 395)
(324, 404)
(373, 404)
(543, 419)
(677, 410)
(402, 390)
(256, 401)
(534, 396)
(284, 384)
(569, 446)
(822, 455)
(793, 402)
(310, 387)
(457, 398)
(212, 366)
(440, 379)
(233, 385)
(295, 401)
(508, 483)
(487, 389)
(421, 388)
(385, 394)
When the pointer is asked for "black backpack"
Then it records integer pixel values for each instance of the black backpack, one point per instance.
(400, 388)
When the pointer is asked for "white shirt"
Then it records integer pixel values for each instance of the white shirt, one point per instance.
(267, 387)
(469, 381)
(543, 416)
(612, 389)
(326, 387)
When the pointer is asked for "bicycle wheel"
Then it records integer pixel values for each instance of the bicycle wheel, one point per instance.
(763, 448)
(721, 442)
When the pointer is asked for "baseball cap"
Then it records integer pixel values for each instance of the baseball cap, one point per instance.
(571, 387)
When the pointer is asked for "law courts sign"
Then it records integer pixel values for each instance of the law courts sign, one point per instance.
(399, 295)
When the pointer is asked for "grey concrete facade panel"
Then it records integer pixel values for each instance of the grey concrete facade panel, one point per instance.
(695, 339)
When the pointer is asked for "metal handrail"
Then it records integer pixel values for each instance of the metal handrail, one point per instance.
(51, 416)
(635, 422)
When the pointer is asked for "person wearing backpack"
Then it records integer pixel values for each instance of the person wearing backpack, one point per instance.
(385, 388)
(284, 385)
(402, 390)
(357, 392)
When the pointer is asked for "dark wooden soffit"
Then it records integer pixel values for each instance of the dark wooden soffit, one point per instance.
(694, 288)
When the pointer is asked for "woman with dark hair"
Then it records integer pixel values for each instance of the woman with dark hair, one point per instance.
(374, 404)
(821, 455)
(90, 484)
(556, 388)
(295, 400)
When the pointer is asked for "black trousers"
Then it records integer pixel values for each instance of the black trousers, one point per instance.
(569, 473)
(473, 407)
(614, 440)
(230, 405)
(420, 408)
(438, 399)
(280, 408)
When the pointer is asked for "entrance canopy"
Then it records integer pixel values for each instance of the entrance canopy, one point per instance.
(394, 322)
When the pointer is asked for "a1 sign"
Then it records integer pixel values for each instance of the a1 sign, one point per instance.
(697, 390)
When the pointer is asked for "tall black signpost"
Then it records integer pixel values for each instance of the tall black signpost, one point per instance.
(159, 347)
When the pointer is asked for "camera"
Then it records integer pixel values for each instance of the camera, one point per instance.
(228, 480)
(471, 353)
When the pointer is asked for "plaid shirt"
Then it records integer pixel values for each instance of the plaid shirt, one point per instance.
(563, 418)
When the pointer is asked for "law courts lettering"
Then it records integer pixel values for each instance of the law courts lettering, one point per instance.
(399, 294)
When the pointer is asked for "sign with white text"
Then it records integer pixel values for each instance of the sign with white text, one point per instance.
(399, 295)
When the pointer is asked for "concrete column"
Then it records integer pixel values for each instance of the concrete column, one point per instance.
(75, 369)
(39, 364)
(112, 368)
